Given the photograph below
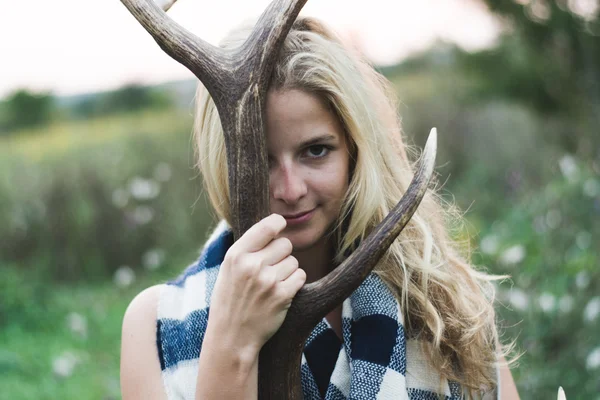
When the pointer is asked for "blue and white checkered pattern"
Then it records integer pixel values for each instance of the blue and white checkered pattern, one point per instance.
(375, 360)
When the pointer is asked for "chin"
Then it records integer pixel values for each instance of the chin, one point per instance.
(304, 238)
(301, 242)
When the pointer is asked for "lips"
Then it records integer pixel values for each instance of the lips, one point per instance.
(294, 216)
(300, 218)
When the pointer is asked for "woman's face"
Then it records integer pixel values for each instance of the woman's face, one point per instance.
(308, 164)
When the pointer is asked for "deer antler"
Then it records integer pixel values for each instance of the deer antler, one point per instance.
(238, 81)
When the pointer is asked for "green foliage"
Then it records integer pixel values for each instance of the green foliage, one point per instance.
(550, 61)
(22, 297)
(526, 197)
(548, 243)
(24, 109)
(496, 145)
(553, 51)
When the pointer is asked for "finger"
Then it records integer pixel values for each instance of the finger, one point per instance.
(261, 233)
(275, 252)
(293, 283)
(285, 268)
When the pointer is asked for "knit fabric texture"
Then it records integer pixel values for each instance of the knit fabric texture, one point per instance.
(375, 359)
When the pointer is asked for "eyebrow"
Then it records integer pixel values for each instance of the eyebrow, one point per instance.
(318, 139)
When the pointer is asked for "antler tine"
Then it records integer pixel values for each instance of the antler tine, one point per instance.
(165, 4)
(322, 296)
(204, 60)
(270, 31)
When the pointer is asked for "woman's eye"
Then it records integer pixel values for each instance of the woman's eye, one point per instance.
(317, 151)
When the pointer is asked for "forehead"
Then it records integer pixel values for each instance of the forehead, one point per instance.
(295, 116)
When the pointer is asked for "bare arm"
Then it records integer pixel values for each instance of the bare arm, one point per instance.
(231, 373)
(140, 368)
(508, 389)
(226, 371)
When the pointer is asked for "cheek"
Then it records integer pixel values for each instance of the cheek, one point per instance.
(331, 183)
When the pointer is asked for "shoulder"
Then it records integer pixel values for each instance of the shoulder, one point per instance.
(143, 306)
(140, 366)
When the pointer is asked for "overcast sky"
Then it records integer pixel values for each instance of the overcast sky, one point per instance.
(78, 46)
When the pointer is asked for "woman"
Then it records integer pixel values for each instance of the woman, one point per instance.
(337, 165)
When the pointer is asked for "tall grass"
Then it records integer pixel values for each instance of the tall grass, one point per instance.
(79, 201)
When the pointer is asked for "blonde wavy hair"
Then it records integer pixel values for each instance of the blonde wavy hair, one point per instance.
(445, 301)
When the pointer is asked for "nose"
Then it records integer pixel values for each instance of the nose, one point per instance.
(287, 183)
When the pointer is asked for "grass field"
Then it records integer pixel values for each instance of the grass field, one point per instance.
(72, 352)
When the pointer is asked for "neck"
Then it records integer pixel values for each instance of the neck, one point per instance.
(316, 261)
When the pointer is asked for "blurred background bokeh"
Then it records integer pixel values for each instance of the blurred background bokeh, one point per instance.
(99, 197)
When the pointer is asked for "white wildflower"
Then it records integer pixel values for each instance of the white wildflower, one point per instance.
(113, 387)
(77, 323)
(547, 302)
(518, 299)
(489, 244)
(143, 215)
(586, 9)
(566, 303)
(582, 279)
(591, 188)
(143, 189)
(513, 255)
(162, 172)
(583, 240)
(153, 259)
(64, 365)
(120, 198)
(553, 219)
(561, 394)
(592, 309)
(593, 359)
(124, 276)
(568, 167)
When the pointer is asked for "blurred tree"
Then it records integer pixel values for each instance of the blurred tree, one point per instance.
(3, 118)
(87, 107)
(132, 97)
(25, 109)
(549, 59)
